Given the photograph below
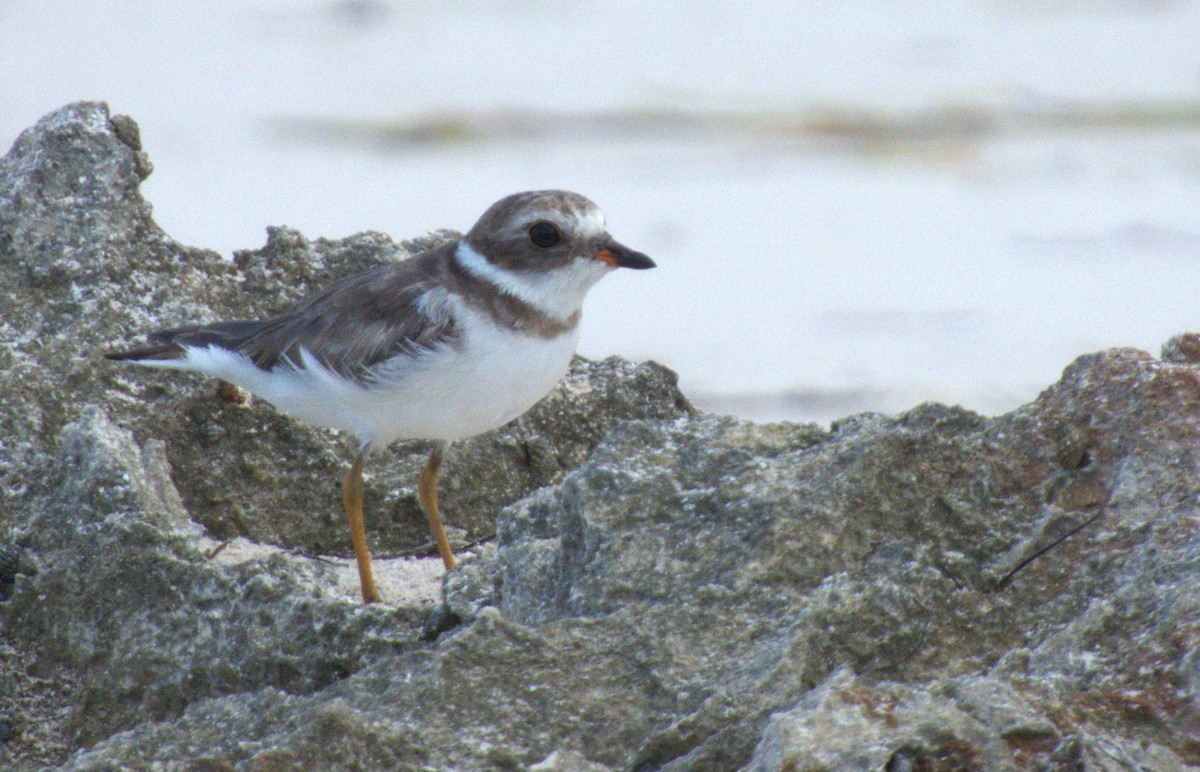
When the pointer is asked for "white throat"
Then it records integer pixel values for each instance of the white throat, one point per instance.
(558, 293)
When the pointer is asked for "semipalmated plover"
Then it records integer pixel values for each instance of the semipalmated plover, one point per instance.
(444, 345)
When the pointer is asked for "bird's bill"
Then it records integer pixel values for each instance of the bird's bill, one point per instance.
(620, 256)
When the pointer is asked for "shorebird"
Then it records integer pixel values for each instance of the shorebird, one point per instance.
(447, 344)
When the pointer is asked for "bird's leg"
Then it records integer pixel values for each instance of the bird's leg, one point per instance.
(427, 493)
(352, 498)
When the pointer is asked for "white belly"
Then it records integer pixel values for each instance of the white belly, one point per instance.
(447, 394)
(457, 393)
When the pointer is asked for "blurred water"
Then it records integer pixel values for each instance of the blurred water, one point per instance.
(853, 206)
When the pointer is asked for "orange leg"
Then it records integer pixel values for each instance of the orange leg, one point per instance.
(427, 493)
(352, 498)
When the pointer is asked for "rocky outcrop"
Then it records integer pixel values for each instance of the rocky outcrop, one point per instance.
(664, 589)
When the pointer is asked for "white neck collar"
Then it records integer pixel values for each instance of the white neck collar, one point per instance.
(558, 293)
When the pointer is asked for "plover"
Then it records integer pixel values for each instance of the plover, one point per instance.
(450, 343)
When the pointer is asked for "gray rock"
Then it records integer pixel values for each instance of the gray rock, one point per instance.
(974, 722)
(681, 591)
(1182, 348)
(968, 722)
(121, 597)
(706, 593)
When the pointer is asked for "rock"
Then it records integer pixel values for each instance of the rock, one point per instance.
(666, 589)
(125, 600)
(961, 723)
(1182, 348)
(932, 589)
(969, 722)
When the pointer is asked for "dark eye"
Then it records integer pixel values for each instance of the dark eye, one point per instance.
(545, 234)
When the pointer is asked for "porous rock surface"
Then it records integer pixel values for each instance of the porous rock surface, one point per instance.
(665, 590)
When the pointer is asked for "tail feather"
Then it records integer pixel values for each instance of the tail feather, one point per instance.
(147, 353)
(170, 344)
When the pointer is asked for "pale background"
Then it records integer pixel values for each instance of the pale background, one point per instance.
(854, 205)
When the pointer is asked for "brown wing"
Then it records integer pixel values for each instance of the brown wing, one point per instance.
(358, 322)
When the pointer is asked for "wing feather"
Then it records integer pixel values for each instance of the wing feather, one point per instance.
(354, 325)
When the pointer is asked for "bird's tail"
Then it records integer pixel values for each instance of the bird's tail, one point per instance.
(167, 345)
(147, 353)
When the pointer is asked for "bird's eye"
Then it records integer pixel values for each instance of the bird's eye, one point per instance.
(545, 234)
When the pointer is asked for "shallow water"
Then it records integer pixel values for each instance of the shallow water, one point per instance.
(856, 206)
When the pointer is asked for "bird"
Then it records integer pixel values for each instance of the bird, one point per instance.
(447, 344)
